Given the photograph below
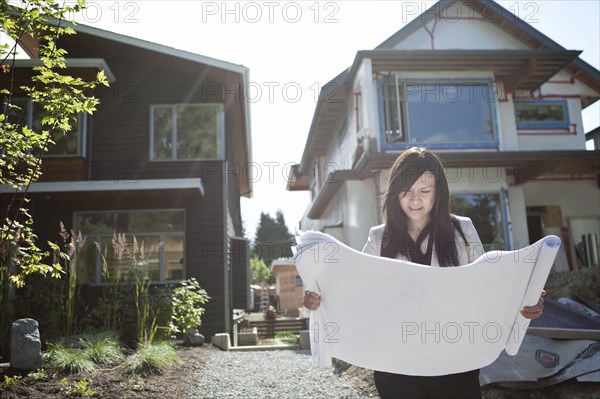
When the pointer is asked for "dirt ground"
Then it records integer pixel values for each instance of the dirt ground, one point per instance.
(112, 384)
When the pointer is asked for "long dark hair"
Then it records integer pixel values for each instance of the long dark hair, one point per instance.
(409, 167)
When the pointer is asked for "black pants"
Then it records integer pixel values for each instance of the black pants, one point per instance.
(399, 386)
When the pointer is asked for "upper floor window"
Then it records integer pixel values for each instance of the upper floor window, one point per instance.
(541, 114)
(186, 132)
(65, 144)
(437, 113)
(146, 242)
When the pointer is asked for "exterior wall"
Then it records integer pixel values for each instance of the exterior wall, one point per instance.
(360, 212)
(518, 217)
(204, 257)
(350, 214)
(460, 28)
(120, 142)
(364, 83)
(507, 125)
(290, 295)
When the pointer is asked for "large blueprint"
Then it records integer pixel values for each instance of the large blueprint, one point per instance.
(401, 317)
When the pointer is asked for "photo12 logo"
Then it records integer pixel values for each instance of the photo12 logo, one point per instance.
(470, 11)
(270, 11)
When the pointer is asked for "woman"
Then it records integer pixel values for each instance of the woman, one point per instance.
(420, 228)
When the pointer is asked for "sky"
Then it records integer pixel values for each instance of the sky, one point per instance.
(293, 48)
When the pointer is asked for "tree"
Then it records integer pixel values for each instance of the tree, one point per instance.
(260, 272)
(273, 239)
(58, 99)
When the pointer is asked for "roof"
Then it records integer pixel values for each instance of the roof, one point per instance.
(505, 20)
(281, 263)
(27, 45)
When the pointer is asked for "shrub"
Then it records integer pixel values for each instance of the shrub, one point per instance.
(187, 312)
(37, 375)
(153, 358)
(79, 388)
(133, 384)
(66, 360)
(102, 348)
(10, 382)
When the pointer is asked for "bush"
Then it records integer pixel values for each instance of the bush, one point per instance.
(66, 360)
(187, 312)
(102, 348)
(10, 382)
(153, 358)
(99, 349)
(79, 388)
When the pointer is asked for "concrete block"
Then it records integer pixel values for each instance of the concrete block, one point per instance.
(248, 337)
(221, 341)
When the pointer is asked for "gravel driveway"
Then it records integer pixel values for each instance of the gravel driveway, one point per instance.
(269, 374)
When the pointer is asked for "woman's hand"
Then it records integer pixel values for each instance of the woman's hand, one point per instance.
(533, 312)
(312, 300)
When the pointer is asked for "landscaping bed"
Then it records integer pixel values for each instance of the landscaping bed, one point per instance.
(111, 382)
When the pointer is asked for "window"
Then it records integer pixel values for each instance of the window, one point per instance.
(186, 131)
(536, 114)
(298, 281)
(437, 114)
(150, 243)
(485, 210)
(66, 144)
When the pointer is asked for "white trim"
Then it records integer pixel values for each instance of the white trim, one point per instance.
(99, 63)
(111, 185)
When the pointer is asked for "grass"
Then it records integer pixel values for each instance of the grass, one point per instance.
(287, 338)
(102, 349)
(94, 350)
(66, 360)
(153, 358)
(105, 350)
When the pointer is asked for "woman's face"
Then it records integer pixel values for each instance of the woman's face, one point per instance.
(417, 202)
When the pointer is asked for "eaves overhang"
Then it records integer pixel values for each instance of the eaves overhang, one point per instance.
(517, 69)
(110, 185)
(521, 167)
(327, 118)
(98, 64)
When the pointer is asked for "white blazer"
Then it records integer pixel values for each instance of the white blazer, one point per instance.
(466, 253)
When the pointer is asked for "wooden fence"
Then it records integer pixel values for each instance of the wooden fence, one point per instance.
(268, 328)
